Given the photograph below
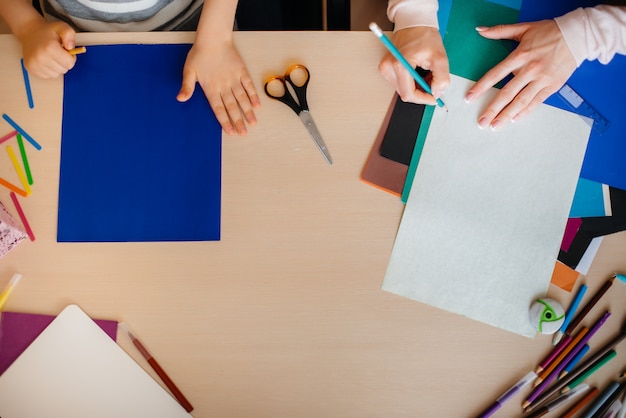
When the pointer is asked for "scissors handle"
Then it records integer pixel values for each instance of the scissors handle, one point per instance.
(286, 97)
(299, 81)
(297, 77)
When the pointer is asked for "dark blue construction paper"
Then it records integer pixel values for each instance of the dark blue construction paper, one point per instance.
(602, 86)
(137, 165)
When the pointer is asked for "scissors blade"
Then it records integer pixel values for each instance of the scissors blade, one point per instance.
(307, 120)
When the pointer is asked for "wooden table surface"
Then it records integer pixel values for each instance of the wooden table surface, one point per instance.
(285, 316)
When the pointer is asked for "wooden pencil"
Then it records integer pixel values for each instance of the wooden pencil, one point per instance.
(589, 305)
(581, 403)
(561, 356)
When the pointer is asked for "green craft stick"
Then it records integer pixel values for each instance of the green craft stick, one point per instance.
(20, 143)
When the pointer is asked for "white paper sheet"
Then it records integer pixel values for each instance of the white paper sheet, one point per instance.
(486, 214)
(74, 370)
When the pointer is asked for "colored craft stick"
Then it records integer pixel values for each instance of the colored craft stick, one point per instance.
(508, 395)
(570, 313)
(18, 169)
(581, 403)
(591, 370)
(20, 143)
(29, 93)
(78, 50)
(8, 136)
(12, 187)
(554, 353)
(571, 346)
(22, 131)
(4, 296)
(20, 212)
(543, 385)
(592, 302)
(568, 368)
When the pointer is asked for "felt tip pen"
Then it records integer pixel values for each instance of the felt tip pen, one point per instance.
(508, 394)
(394, 51)
(4, 296)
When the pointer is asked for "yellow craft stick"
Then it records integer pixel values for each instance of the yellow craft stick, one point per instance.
(78, 50)
(18, 170)
(7, 291)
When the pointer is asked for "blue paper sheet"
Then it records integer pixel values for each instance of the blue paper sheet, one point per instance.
(137, 165)
(604, 88)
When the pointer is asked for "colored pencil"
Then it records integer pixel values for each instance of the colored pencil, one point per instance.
(613, 397)
(610, 355)
(589, 305)
(22, 216)
(544, 374)
(8, 136)
(568, 368)
(29, 93)
(581, 403)
(22, 131)
(4, 296)
(12, 187)
(554, 353)
(600, 400)
(508, 394)
(585, 366)
(558, 401)
(537, 391)
(18, 169)
(396, 53)
(78, 50)
(20, 143)
(157, 368)
(570, 313)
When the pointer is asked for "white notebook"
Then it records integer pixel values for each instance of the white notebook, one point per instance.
(74, 369)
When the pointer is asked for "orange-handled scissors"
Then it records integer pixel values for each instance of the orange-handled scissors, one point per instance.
(297, 77)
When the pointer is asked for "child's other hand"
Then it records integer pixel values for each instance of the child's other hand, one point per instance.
(227, 85)
(45, 47)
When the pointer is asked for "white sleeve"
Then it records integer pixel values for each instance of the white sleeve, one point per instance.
(409, 13)
(594, 33)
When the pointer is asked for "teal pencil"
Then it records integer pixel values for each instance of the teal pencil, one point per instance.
(394, 51)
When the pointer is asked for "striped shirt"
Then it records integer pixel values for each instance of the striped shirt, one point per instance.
(125, 15)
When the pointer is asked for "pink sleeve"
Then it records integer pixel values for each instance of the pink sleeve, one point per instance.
(594, 33)
(409, 13)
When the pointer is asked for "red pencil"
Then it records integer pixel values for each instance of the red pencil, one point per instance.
(581, 403)
(20, 212)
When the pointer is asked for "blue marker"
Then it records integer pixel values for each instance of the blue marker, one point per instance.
(570, 314)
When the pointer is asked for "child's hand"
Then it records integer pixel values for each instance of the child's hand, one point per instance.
(227, 85)
(45, 47)
(422, 47)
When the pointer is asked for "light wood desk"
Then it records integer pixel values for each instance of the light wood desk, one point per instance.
(284, 317)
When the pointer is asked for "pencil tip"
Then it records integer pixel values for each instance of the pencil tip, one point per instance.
(525, 404)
